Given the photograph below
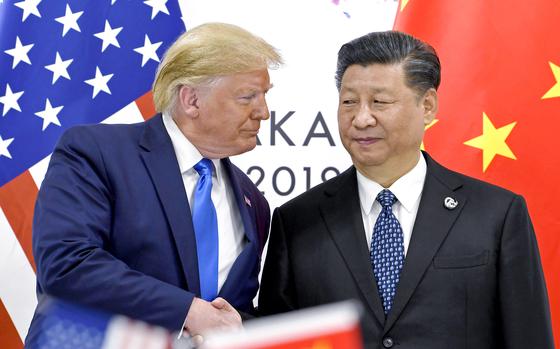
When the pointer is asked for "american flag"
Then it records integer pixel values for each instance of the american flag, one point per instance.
(63, 63)
(66, 325)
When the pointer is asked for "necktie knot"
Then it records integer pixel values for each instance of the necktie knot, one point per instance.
(204, 167)
(386, 198)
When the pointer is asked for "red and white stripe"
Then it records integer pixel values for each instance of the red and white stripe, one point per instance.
(17, 267)
(123, 333)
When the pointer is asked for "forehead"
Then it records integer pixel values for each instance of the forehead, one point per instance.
(258, 79)
(373, 76)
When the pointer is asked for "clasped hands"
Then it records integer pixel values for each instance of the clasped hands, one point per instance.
(204, 316)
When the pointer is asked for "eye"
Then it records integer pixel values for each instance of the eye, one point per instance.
(246, 99)
(380, 101)
(249, 96)
(348, 102)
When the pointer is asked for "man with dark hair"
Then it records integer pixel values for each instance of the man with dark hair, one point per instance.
(437, 259)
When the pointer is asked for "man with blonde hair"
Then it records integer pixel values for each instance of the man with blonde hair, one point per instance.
(152, 220)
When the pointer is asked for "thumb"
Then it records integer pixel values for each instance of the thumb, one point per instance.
(220, 303)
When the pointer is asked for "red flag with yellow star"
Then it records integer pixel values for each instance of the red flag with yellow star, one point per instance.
(499, 99)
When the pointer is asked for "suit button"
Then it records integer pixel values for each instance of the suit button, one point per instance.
(388, 342)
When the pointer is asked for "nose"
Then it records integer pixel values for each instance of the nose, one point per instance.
(364, 118)
(260, 111)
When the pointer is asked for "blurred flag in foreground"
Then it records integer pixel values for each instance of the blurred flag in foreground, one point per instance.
(66, 325)
(333, 326)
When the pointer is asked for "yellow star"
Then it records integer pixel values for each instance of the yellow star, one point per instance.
(554, 90)
(492, 141)
(403, 4)
(425, 129)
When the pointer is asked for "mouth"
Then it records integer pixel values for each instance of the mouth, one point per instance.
(366, 140)
(251, 133)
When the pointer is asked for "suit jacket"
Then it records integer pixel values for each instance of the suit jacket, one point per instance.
(471, 278)
(113, 228)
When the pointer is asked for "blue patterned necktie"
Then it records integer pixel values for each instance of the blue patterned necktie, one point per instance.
(387, 250)
(206, 231)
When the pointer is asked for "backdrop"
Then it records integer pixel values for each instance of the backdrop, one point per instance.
(65, 62)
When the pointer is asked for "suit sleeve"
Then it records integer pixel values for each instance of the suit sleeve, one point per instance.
(277, 291)
(72, 242)
(523, 296)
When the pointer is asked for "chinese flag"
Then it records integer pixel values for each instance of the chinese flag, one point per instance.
(499, 117)
(332, 326)
(347, 338)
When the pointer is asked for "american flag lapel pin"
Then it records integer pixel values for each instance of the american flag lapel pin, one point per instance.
(247, 201)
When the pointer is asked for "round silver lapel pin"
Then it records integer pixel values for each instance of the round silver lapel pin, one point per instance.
(450, 203)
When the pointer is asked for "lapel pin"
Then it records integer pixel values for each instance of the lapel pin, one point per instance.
(450, 203)
(247, 201)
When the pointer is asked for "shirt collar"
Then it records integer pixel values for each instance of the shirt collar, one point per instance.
(407, 189)
(186, 153)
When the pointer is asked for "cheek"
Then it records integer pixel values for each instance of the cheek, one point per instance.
(344, 123)
(343, 133)
(410, 133)
(418, 126)
(241, 115)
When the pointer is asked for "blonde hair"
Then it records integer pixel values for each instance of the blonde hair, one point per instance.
(206, 52)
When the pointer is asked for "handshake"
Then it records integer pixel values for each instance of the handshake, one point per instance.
(204, 316)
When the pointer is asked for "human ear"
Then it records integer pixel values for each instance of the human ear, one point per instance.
(188, 101)
(430, 105)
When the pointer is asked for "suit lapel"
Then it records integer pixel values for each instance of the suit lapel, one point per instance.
(432, 225)
(249, 255)
(243, 200)
(342, 214)
(161, 161)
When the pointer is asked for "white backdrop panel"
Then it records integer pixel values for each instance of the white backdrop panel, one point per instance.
(305, 149)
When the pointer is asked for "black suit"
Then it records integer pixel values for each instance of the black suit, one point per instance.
(472, 276)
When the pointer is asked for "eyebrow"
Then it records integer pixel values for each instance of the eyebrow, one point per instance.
(254, 89)
(371, 89)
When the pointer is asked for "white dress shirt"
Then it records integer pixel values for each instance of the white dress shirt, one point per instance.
(231, 232)
(407, 189)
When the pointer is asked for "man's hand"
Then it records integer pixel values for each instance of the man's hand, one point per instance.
(204, 316)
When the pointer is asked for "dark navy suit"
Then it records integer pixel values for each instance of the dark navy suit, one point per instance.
(471, 279)
(113, 229)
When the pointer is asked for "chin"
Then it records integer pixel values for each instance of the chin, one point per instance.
(251, 143)
(373, 156)
(250, 147)
(368, 161)
(242, 148)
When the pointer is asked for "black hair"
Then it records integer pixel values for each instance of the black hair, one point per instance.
(420, 61)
